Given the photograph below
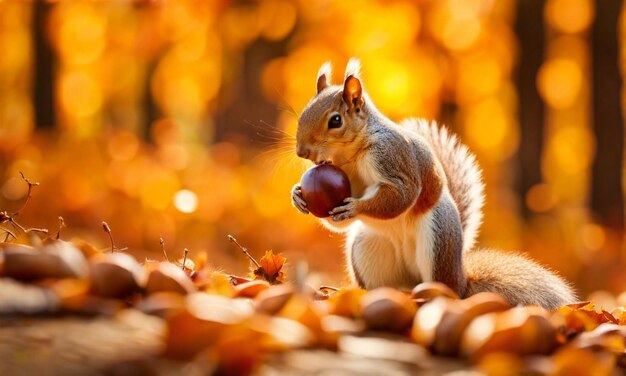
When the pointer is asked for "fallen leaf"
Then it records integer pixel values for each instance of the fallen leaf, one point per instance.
(270, 268)
(580, 317)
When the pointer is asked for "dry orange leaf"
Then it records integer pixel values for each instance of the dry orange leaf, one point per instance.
(581, 317)
(270, 268)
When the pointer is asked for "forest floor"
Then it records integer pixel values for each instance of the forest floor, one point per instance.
(130, 342)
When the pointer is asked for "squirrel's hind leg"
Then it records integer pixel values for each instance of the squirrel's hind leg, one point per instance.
(373, 262)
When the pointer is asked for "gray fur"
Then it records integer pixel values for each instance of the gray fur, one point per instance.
(464, 176)
(518, 279)
(448, 262)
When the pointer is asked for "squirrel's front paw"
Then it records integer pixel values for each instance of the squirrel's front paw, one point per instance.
(347, 211)
(297, 200)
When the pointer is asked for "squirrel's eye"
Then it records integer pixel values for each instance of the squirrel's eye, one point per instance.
(335, 121)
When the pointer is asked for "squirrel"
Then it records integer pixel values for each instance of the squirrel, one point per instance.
(416, 201)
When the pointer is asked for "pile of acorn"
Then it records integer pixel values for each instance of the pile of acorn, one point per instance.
(206, 310)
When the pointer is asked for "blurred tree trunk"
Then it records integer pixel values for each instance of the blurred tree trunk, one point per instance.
(607, 200)
(530, 33)
(248, 108)
(43, 64)
(151, 109)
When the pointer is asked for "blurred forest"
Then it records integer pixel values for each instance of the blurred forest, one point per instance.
(175, 119)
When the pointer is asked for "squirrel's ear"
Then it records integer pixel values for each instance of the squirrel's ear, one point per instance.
(323, 76)
(353, 93)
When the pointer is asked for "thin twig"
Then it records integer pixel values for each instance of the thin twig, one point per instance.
(61, 226)
(162, 242)
(28, 195)
(17, 225)
(8, 233)
(244, 250)
(185, 259)
(35, 229)
(107, 229)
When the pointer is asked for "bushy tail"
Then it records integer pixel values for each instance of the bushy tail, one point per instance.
(464, 177)
(516, 278)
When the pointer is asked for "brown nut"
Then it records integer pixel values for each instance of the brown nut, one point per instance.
(430, 318)
(454, 324)
(168, 277)
(162, 304)
(387, 309)
(485, 302)
(56, 259)
(272, 300)
(324, 187)
(346, 303)
(202, 323)
(116, 275)
(520, 330)
(88, 250)
(250, 289)
(429, 290)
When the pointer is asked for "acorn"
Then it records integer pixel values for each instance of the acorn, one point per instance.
(346, 303)
(202, 322)
(168, 277)
(485, 302)
(453, 325)
(324, 187)
(387, 309)
(272, 300)
(162, 304)
(440, 313)
(116, 275)
(429, 290)
(250, 289)
(55, 259)
(519, 330)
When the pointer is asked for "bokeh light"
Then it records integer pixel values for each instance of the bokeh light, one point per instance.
(186, 201)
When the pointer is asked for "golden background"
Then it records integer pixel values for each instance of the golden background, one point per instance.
(176, 119)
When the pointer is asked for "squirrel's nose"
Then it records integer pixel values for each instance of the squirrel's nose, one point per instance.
(302, 151)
